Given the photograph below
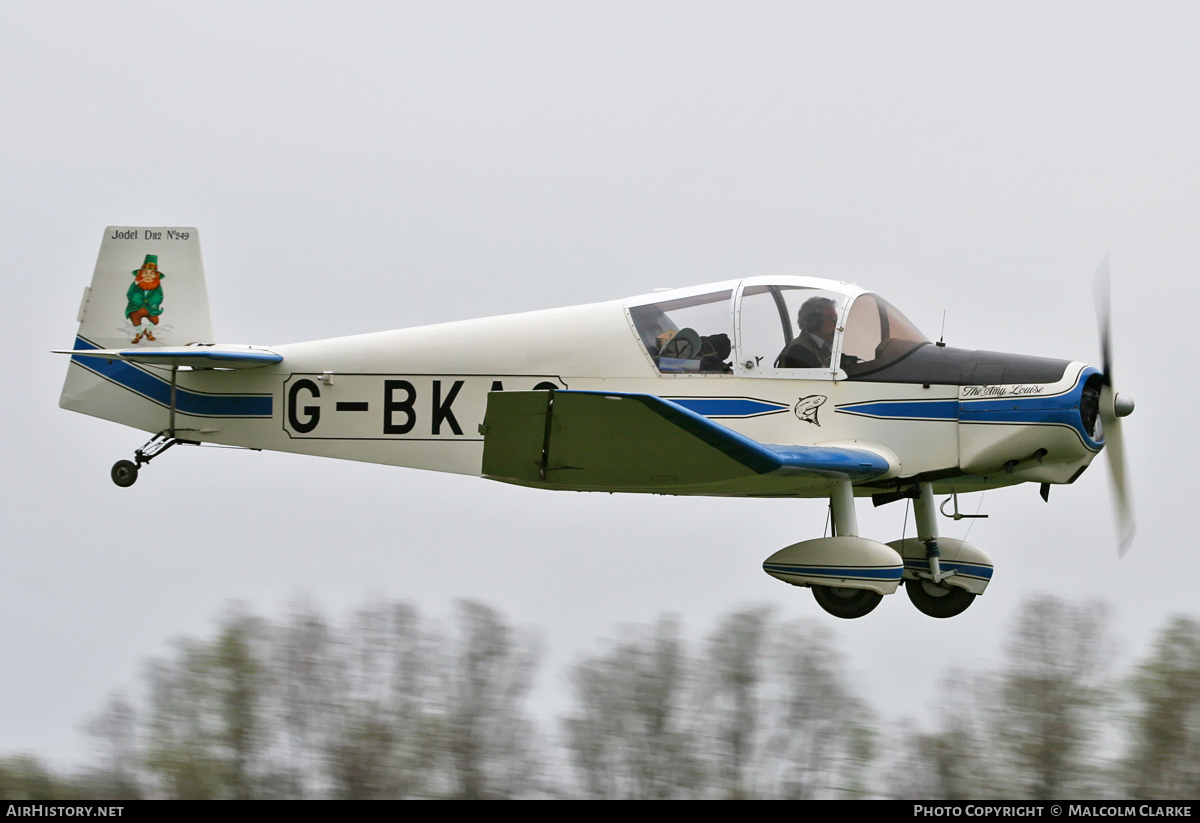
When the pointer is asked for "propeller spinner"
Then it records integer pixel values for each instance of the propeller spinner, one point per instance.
(1113, 407)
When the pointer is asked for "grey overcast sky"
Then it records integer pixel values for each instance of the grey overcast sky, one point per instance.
(456, 160)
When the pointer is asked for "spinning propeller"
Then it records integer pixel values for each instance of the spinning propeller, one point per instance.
(1113, 407)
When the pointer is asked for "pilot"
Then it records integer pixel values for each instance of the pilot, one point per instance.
(812, 348)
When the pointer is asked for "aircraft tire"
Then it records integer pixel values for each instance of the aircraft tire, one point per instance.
(124, 473)
(846, 603)
(938, 601)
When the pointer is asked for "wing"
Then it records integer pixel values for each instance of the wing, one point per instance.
(597, 441)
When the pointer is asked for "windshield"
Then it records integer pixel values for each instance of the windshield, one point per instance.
(876, 336)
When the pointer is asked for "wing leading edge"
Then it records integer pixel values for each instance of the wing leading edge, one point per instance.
(612, 441)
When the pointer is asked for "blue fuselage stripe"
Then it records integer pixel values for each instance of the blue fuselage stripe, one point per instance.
(905, 409)
(157, 389)
(1030, 410)
(727, 406)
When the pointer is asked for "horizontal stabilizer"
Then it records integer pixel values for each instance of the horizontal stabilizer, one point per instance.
(636, 442)
(197, 357)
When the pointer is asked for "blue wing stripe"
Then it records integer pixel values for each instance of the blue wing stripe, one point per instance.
(759, 457)
(856, 463)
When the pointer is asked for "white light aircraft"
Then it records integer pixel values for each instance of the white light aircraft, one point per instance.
(762, 387)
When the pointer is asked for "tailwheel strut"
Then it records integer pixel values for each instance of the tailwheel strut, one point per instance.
(125, 472)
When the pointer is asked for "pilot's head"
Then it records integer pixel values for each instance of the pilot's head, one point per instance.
(818, 316)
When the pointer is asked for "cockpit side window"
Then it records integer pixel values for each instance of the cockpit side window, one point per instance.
(764, 326)
(687, 335)
(876, 336)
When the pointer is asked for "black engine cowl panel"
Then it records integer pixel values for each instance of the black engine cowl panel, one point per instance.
(947, 366)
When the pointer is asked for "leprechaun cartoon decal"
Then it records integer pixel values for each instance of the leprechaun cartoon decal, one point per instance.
(145, 298)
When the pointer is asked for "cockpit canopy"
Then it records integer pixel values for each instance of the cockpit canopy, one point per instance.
(773, 327)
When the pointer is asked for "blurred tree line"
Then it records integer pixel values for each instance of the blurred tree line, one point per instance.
(389, 704)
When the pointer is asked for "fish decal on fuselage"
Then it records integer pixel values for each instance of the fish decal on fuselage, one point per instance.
(806, 408)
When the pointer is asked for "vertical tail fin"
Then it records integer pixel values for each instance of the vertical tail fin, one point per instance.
(149, 282)
(147, 290)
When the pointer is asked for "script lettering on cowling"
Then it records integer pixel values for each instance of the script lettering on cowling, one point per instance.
(1018, 390)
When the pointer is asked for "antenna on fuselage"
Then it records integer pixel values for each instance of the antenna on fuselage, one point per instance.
(942, 340)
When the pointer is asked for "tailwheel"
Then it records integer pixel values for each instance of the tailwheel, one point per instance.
(124, 473)
(937, 600)
(846, 603)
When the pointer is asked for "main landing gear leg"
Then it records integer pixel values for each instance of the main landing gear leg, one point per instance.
(125, 472)
(841, 500)
(840, 602)
(929, 591)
